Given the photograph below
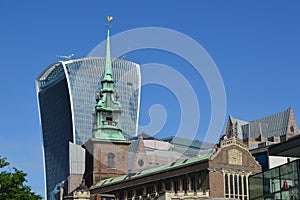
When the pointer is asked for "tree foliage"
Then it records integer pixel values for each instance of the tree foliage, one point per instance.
(12, 185)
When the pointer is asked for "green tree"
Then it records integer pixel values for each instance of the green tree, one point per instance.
(12, 185)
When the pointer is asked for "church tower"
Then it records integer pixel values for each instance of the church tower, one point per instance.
(107, 150)
(107, 110)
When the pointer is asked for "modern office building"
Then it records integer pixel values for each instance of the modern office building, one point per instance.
(282, 181)
(66, 92)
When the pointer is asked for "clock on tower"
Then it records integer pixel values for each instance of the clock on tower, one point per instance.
(235, 157)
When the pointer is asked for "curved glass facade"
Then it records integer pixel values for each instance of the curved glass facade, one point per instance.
(55, 116)
(66, 95)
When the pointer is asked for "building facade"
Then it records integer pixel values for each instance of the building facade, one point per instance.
(222, 174)
(66, 93)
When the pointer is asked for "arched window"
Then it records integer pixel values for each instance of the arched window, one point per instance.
(111, 160)
(141, 163)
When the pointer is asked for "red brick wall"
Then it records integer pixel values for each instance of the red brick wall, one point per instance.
(216, 184)
(292, 123)
(98, 154)
(100, 162)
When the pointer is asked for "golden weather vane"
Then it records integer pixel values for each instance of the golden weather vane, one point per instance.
(109, 18)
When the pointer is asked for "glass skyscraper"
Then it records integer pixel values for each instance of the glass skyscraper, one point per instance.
(66, 93)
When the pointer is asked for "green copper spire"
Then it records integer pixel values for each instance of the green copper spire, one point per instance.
(107, 116)
(108, 70)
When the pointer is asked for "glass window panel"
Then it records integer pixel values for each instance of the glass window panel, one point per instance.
(255, 186)
(246, 186)
(231, 184)
(235, 184)
(226, 184)
(240, 186)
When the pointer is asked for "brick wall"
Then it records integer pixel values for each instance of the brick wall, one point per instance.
(98, 152)
(216, 184)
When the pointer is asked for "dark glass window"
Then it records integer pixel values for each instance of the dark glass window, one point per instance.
(184, 184)
(226, 184)
(235, 185)
(159, 187)
(140, 191)
(176, 186)
(122, 195)
(245, 185)
(231, 184)
(150, 190)
(198, 186)
(192, 179)
(129, 194)
(240, 186)
(168, 185)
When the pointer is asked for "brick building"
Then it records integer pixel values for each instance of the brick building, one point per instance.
(221, 174)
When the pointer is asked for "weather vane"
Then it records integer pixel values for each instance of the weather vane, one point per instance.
(109, 18)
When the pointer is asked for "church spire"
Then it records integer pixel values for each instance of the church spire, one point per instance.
(107, 124)
(108, 69)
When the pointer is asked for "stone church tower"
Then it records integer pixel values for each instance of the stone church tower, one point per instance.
(107, 150)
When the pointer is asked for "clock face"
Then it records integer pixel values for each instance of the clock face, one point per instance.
(235, 157)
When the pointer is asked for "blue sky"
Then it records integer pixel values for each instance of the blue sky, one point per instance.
(255, 44)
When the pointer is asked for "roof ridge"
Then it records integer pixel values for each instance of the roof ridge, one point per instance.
(272, 115)
(241, 120)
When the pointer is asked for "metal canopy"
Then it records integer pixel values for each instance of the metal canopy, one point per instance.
(289, 148)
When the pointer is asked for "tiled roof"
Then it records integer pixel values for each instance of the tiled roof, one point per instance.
(273, 125)
(276, 124)
(147, 172)
(254, 129)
